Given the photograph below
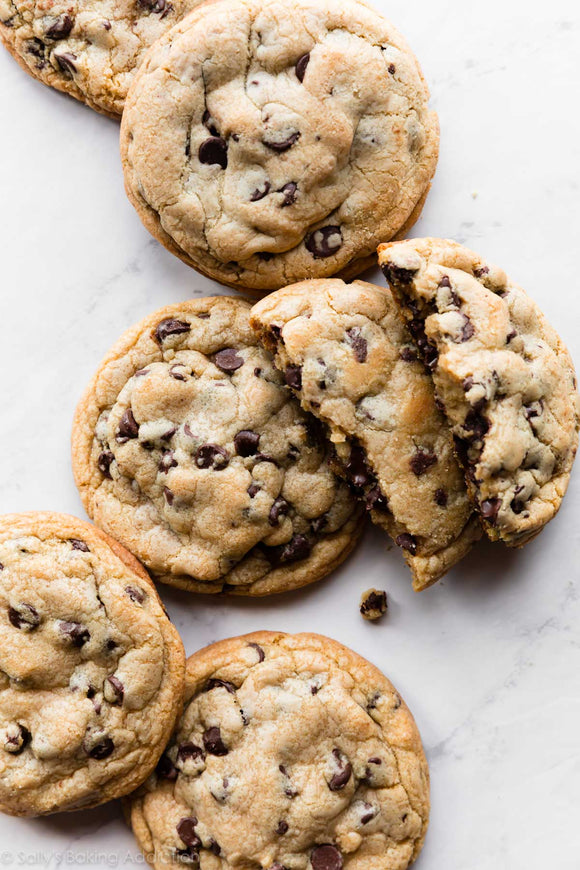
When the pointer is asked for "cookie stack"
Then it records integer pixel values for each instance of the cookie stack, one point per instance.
(273, 145)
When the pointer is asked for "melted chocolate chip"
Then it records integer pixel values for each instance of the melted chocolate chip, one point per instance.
(407, 542)
(398, 274)
(216, 683)
(228, 360)
(66, 62)
(259, 650)
(483, 270)
(166, 769)
(476, 424)
(279, 508)
(189, 750)
(426, 349)
(186, 831)
(293, 376)
(282, 827)
(376, 500)
(490, 509)
(340, 779)
(104, 463)
(368, 814)
(170, 326)
(169, 495)
(324, 242)
(246, 442)
(214, 151)
(326, 857)
(357, 469)
(212, 740)
(422, 462)
(115, 690)
(159, 7)
(253, 489)
(260, 192)
(301, 65)
(295, 550)
(177, 373)
(128, 427)
(441, 497)
(283, 145)
(212, 456)
(467, 330)
(167, 461)
(135, 594)
(77, 544)
(100, 750)
(77, 634)
(358, 344)
(289, 190)
(25, 617)
(60, 28)
(407, 355)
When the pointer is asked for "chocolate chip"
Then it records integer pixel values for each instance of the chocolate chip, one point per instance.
(169, 495)
(212, 740)
(104, 463)
(289, 190)
(135, 594)
(516, 505)
(60, 28)
(214, 847)
(186, 831)
(76, 633)
(407, 542)
(279, 508)
(283, 145)
(246, 442)
(467, 330)
(490, 509)
(510, 336)
(66, 61)
(37, 48)
(357, 469)
(214, 151)
(369, 814)
(215, 683)
(534, 410)
(318, 523)
(101, 749)
(422, 461)
(177, 373)
(128, 427)
(295, 550)
(293, 376)
(114, 690)
(260, 192)
(253, 489)
(77, 544)
(259, 650)
(340, 779)
(17, 739)
(324, 242)
(326, 857)
(483, 270)
(170, 326)
(476, 424)
(376, 500)
(166, 769)
(228, 360)
(189, 750)
(407, 355)
(282, 827)
(25, 617)
(441, 497)
(207, 121)
(426, 349)
(160, 7)
(358, 344)
(398, 274)
(167, 461)
(212, 456)
(301, 65)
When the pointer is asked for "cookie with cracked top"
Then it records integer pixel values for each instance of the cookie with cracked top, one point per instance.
(345, 352)
(189, 450)
(503, 376)
(292, 751)
(91, 668)
(88, 48)
(267, 141)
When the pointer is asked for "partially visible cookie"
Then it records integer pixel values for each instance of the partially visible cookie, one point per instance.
(292, 751)
(267, 141)
(87, 48)
(345, 352)
(91, 669)
(190, 451)
(503, 376)
(373, 604)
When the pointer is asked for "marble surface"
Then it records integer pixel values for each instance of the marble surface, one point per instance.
(488, 660)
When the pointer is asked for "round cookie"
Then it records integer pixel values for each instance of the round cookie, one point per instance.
(344, 350)
(188, 449)
(503, 376)
(91, 668)
(293, 752)
(267, 141)
(87, 48)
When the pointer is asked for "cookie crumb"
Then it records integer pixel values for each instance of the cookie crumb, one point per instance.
(373, 603)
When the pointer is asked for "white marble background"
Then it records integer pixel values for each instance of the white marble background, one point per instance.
(489, 660)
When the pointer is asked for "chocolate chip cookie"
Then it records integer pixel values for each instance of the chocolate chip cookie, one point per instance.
(190, 451)
(87, 48)
(344, 350)
(292, 752)
(91, 669)
(266, 141)
(503, 376)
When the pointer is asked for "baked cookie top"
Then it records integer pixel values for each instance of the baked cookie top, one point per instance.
(189, 450)
(294, 752)
(345, 351)
(265, 141)
(87, 48)
(91, 669)
(505, 379)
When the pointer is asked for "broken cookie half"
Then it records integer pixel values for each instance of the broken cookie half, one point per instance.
(345, 352)
(503, 378)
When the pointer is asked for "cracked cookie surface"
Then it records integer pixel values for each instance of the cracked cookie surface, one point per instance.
(345, 351)
(266, 141)
(504, 376)
(91, 669)
(87, 48)
(190, 451)
(294, 752)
